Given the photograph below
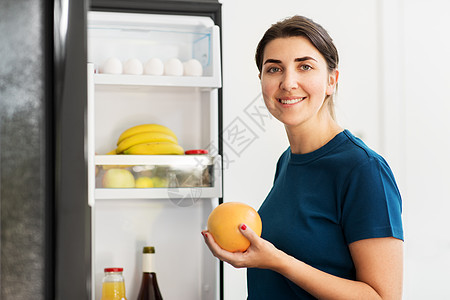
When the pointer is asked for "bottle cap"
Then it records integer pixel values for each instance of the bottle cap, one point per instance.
(196, 151)
(149, 250)
(113, 270)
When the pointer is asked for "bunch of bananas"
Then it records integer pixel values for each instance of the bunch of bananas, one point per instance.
(148, 139)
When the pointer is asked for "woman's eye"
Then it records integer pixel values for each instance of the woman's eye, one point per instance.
(306, 67)
(273, 70)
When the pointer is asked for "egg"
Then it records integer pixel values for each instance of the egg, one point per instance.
(154, 66)
(133, 66)
(173, 67)
(112, 66)
(193, 67)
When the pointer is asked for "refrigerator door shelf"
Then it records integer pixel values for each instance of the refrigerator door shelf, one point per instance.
(150, 80)
(135, 20)
(188, 160)
(146, 36)
(188, 195)
(158, 176)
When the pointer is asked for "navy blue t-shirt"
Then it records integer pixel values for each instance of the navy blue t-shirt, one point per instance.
(321, 202)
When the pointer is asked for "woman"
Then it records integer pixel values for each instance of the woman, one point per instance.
(332, 224)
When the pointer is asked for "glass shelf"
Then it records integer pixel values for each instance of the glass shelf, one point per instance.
(150, 80)
(157, 176)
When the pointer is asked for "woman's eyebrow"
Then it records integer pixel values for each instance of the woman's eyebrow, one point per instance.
(270, 60)
(305, 58)
(277, 61)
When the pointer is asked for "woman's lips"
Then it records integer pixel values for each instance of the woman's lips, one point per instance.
(291, 100)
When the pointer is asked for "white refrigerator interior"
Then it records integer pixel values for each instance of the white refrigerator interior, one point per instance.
(171, 214)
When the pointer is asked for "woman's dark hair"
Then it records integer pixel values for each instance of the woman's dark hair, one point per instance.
(302, 26)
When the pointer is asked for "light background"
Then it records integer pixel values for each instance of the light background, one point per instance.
(392, 92)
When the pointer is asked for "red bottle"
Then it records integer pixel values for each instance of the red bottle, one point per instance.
(149, 286)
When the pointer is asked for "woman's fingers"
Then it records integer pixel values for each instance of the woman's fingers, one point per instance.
(248, 233)
(233, 258)
(210, 242)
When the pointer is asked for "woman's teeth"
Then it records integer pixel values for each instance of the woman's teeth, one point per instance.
(290, 101)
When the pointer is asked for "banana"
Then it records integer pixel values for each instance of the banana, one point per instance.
(144, 137)
(107, 167)
(145, 127)
(112, 152)
(158, 148)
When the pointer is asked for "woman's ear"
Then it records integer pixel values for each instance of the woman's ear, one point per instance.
(332, 81)
(259, 76)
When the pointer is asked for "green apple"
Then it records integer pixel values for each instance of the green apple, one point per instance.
(118, 178)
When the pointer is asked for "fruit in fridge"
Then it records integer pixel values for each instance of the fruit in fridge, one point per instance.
(144, 182)
(144, 137)
(118, 178)
(145, 128)
(158, 148)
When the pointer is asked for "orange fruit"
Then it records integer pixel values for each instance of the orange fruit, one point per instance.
(224, 221)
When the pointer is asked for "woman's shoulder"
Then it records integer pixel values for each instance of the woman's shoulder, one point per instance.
(364, 170)
(353, 153)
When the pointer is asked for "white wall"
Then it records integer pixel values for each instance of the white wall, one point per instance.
(427, 148)
(393, 76)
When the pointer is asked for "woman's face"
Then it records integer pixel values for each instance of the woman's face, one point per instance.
(295, 81)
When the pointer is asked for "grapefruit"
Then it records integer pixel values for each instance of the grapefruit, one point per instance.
(224, 221)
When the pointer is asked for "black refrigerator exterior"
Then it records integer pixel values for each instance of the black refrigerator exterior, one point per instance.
(45, 218)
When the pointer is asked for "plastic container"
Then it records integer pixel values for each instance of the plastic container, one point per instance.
(195, 169)
(113, 284)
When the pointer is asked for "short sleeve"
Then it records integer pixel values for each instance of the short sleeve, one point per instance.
(372, 204)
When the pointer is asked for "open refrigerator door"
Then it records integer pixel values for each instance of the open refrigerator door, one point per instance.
(154, 198)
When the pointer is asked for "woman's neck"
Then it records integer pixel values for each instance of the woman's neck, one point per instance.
(306, 138)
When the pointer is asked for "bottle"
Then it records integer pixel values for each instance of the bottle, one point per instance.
(149, 286)
(113, 285)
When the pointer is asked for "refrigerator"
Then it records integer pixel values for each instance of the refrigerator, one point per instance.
(60, 225)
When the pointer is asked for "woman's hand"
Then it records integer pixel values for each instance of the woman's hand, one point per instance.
(372, 258)
(260, 254)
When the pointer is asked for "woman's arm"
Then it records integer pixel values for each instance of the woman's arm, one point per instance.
(378, 262)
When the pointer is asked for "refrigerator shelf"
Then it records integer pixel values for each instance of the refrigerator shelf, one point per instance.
(144, 36)
(175, 194)
(149, 80)
(157, 176)
(141, 21)
(188, 160)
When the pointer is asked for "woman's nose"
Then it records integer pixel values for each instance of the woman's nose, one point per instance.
(289, 80)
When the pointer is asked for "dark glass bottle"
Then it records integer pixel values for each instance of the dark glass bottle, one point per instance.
(149, 286)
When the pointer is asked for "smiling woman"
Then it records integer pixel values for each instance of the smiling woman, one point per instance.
(314, 33)
(331, 191)
(296, 85)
